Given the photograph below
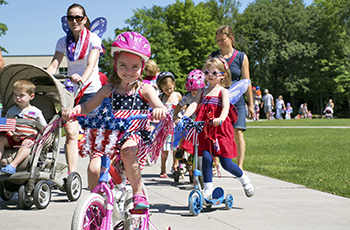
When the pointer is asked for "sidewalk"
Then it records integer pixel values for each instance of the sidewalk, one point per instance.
(275, 205)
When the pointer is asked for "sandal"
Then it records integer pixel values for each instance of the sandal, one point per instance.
(140, 202)
(163, 175)
(9, 169)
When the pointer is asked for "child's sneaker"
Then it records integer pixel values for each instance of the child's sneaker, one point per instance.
(208, 190)
(140, 202)
(247, 185)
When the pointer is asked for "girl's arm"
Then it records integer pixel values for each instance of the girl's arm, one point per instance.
(176, 111)
(249, 93)
(159, 109)
(225, 108)
(55, 63)
(89, 105)
(92, 60)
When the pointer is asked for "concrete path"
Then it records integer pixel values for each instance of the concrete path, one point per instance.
(276, 205)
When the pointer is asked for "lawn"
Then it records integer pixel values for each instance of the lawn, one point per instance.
(317, 158)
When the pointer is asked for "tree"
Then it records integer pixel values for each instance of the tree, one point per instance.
(276, 42)
(181, 36)
(3, 27)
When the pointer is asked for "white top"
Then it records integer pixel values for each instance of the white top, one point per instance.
(79, 66)
(279, 104)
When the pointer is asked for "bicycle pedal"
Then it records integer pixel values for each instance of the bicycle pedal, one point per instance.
(138, 211)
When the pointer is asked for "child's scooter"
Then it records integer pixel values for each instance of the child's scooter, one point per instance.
(196, 200)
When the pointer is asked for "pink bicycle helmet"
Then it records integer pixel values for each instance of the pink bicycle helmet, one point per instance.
(194, 80)
(131, 42)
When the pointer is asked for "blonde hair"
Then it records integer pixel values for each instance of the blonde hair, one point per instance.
(25, 84)
(152, 67)
(225, 29)
(220, 64)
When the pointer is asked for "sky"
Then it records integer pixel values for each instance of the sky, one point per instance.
(34, 26)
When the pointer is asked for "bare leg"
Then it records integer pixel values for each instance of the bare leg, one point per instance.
(72, 134)
(22, 153)
(240, 143)
(163, 161)
(3, 143)
(132, 169)
(94, 172)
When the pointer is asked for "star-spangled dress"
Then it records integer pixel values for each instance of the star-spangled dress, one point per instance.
(121, 106)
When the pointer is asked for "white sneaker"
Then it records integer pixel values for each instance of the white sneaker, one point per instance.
(247, 185)
(208, 190)
(249, 189)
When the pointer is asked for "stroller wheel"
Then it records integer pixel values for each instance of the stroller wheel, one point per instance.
(24, 201)
(4, 193)
(73, 186)
(42, 194)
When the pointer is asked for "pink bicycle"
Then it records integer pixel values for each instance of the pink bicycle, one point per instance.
(110, 205)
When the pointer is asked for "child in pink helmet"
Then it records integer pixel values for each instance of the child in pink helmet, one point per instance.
(194, 82)
(128, 96)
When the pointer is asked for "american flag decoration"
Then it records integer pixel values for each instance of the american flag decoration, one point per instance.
(7, 124)
(102, 131)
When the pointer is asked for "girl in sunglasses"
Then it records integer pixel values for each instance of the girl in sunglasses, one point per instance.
(212, 106)
(82, 49)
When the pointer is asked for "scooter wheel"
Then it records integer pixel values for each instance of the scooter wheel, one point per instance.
(229, 201)
(176, 176)
(195, 205)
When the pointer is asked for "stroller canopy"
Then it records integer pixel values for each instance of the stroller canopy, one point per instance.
(46, 85)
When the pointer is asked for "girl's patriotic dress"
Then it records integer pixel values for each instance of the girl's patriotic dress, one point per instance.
(219, 139)
(102, 130)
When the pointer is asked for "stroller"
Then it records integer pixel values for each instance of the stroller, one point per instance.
(328, 113)
(40, 171)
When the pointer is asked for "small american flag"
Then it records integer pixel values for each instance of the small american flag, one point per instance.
(7, 124)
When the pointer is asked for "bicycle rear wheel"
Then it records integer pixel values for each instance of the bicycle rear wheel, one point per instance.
(90, 213)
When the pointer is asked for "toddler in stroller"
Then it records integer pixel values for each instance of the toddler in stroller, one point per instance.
(39, 172)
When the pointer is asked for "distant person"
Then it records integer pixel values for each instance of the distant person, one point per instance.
(238, 64)
(152, 71)
(280, 107)
(258, 94)
(257, 111)
(304, 111)
(170, 98)
(309, 114)
(289, 111)
(329, 110)
(267, 103)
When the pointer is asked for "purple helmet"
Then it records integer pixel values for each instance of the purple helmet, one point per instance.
(194, 80)
(132, 42)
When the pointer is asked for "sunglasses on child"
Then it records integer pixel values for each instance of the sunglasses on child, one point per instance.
(214, 73)
(77, 18)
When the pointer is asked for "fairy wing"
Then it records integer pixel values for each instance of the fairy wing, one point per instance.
(65, 25)
(238, 89)
(99, 26)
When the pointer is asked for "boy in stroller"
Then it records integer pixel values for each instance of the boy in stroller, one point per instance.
(24, 134)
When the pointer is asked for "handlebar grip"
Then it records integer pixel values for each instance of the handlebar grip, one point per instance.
(105, 165)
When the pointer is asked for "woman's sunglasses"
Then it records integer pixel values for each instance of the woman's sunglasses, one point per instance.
(214, 73)
(77, 18)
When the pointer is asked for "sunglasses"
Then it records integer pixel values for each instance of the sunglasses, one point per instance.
(77, 18)
(214, 73)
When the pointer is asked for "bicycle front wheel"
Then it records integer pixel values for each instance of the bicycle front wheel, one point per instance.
(90, 213)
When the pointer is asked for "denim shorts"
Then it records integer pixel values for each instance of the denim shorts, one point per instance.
(240, 124)
(85, 98)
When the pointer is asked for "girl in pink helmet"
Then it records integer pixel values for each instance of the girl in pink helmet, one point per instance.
(128, 96)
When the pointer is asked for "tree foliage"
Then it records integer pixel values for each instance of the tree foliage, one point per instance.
(296, 51)
(3, 27)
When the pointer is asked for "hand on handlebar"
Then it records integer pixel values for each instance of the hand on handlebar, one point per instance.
(158, 113)
(69, 114)
(76, 78)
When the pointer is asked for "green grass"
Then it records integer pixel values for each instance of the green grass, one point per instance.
(302, 122)
(317, 158)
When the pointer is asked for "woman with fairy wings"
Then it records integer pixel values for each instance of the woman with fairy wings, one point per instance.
(82, 48)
